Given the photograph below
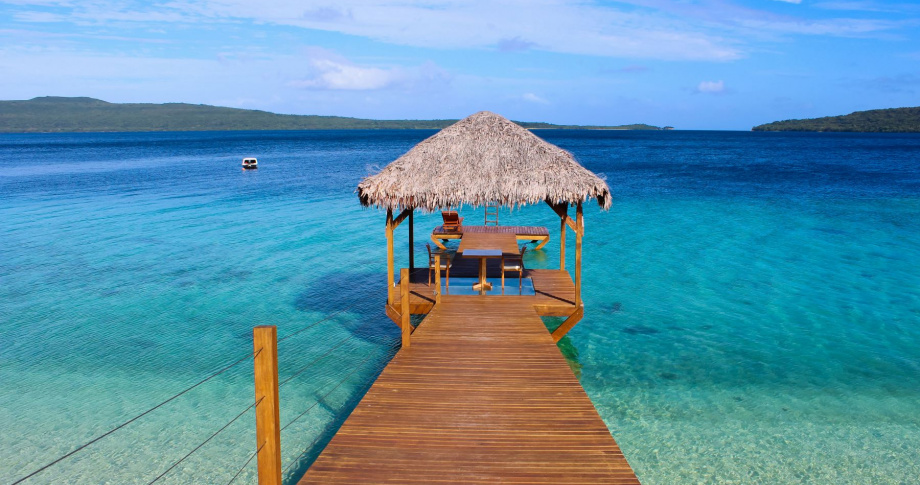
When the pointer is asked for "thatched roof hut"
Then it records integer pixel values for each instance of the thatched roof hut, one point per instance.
(482, 159)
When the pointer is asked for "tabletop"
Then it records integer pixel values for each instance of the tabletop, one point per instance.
(506, 243)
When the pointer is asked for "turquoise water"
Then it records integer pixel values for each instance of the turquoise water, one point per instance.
(752, 308)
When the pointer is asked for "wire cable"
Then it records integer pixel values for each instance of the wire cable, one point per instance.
(206, 441)
(291, 465)
(308, 327)
(321, 357)
(122, 425)
(356, 369)
(293, 462)
(245, 464)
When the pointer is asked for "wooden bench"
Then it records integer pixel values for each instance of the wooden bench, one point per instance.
(523, 233)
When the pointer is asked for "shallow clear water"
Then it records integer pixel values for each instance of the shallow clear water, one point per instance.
(752, 308)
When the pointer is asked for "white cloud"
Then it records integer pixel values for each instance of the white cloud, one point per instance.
(711, 87)
(870, 6)
(830, 27)
(515, 44)
(328, 70)
(560, 26)
(38, 17)
(41, 3)
(331, 74)
(748, 24)
(110, 77)
(712, 30)
(533, 98)
(552, 25)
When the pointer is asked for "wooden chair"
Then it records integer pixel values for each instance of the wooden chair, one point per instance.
(452, 221)
(445, 265)
(514, 263)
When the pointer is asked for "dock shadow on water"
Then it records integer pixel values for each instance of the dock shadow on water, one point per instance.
(357, 293)
(568, 349)
(341, 412)
(355, 301)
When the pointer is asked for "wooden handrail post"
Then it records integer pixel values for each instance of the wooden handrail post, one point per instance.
(562, 241)
(437, 278)
(579, 232)
(412, 241)
(268, 427)
(389, 257)
(404, 310)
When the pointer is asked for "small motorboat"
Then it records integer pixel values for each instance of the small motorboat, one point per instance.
(249, 163)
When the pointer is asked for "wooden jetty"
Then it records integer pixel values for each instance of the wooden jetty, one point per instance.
(479, 391)
(482, 395)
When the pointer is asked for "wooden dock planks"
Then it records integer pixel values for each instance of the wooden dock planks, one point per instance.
(483, 395)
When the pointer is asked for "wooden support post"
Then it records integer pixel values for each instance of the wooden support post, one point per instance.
(437, 278)
(412, 241)
(563, 211)
(393, 315)
(268, 428)
(404, 310)
(390, 257)
(401, 217)
(579, 232)
(438, 242)
(562, 242)
(567, 325)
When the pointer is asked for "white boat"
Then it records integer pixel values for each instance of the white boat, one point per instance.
(250, 163)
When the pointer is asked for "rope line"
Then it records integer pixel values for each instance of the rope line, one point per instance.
(356, 369)
(122, 425)
(321, 357)
(245, 464)
(238, 416)
(308, 327)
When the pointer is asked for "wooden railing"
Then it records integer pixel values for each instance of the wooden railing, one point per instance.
(267, 402)
(404, 311)
(268, 425)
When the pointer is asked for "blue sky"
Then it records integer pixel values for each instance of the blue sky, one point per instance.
(693, 64)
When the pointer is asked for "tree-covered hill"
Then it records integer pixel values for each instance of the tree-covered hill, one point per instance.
(895, 120)
(58, 114)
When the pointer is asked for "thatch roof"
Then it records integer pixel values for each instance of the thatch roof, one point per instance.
(482, 159)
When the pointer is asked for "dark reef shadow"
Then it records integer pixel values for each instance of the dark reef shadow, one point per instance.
(360, 294)
(640, 330)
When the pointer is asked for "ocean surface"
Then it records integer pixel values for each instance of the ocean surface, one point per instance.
(752, 300)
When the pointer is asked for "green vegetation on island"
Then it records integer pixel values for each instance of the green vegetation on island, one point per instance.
(894, 120)
(52, 114)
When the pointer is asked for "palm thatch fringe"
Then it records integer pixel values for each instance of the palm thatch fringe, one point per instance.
(482, 159)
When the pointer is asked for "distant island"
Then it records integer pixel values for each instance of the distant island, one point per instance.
(51, 114)
(895, 120)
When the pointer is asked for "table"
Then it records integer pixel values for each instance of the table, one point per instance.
(483, 255)
(485, 246)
